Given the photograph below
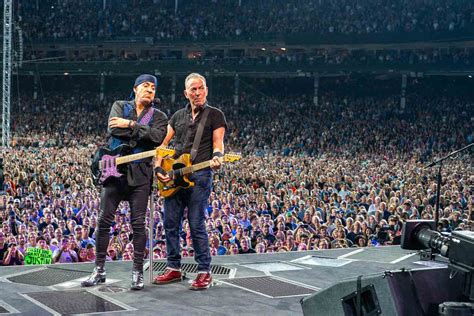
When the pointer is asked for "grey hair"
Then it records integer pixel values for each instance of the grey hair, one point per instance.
(194, 75)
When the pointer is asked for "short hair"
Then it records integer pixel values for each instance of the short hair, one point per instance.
(194, 75)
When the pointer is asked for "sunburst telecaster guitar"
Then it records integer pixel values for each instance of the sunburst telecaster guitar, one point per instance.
(179, 169)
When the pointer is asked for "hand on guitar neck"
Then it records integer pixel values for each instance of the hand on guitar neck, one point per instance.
(216, 163)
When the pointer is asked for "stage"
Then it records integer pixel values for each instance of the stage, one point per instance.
(260, 284)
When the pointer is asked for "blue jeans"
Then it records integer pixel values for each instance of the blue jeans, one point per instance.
(196, 200)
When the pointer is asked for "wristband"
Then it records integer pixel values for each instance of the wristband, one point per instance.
(160, 170)
(217, 154)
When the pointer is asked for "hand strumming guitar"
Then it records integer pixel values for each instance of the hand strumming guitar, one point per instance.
(162, 175)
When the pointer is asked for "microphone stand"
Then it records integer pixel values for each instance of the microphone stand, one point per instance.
(151, 226)
(439, 162)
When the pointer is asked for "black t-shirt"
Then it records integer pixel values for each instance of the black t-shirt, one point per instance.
(14, 261)
(270, 238)
(2, 253)
(250, 250)
(182, 120)
(43, 225)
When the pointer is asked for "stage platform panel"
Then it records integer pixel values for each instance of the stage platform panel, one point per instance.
(263, 284)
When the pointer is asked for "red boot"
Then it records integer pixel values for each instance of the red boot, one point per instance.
(169, 276)
(202, 282)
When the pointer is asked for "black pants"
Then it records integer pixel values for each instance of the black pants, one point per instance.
(113, 192)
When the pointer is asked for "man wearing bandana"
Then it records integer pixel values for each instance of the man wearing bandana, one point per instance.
(141, 126)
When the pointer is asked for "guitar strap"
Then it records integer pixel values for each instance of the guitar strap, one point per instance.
(200, 130)
(145, 120)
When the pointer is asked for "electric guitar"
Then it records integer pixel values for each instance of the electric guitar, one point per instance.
(105, 162)
(179, 170)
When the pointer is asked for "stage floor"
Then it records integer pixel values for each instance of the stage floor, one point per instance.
(262, 284)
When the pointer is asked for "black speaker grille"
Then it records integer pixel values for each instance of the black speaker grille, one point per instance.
(47, 277)
(75, 302)
(369, 303)
(191, 268)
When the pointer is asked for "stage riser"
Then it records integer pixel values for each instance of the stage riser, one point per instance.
(394, 292)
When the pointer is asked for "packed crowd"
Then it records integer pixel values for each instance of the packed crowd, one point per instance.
(59, 120)
(463, 56)
(345, 173)
(230, 19)
(452, 57)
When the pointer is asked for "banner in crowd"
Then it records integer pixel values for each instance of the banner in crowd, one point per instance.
(38, 256)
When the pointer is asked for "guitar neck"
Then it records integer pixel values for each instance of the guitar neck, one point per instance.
(205, 164)
(196, 167)
(142, 155)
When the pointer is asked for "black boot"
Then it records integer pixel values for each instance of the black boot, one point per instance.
(97, 276)
(137, 280)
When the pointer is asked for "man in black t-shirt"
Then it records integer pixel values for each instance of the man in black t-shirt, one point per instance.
(48, 220)
(245, 246)
(3, 247)
(183, 127)
(267, 235)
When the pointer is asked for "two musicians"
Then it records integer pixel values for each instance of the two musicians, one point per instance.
(143, 128)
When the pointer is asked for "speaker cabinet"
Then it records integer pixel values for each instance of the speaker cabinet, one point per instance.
(404, 293)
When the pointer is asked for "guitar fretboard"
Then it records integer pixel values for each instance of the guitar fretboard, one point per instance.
(196, 167)
(145, 154)
(190, 169)
(161, 151)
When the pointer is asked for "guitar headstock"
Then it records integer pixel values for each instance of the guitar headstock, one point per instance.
(164, 152)
(232, 157)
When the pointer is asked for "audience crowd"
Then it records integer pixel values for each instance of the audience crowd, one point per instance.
(320, 57)
(246, 21)
(346, 172)
(83, 20)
